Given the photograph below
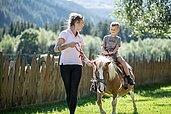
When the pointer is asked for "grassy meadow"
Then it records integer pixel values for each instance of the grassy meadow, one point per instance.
(150, 99)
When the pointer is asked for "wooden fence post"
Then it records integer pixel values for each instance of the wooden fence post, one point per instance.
(23, 84)
(16, 87)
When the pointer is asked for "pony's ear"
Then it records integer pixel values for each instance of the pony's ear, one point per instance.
(108, 63)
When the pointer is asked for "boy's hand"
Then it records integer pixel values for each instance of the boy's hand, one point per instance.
(111, 53)
(105, 53)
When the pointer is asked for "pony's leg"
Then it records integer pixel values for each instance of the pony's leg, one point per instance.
(133, 101)
(99, 102)
(114, 102)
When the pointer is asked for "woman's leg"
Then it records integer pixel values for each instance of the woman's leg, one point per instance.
(71, 75)
(66, 77)
(75, 80)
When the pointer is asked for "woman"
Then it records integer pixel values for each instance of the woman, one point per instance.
(69, 41)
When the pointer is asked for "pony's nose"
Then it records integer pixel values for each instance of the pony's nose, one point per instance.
(101, 88)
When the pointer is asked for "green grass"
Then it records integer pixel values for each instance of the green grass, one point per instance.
(150, 99)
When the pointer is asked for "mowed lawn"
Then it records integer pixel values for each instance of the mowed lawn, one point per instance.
(150, 99)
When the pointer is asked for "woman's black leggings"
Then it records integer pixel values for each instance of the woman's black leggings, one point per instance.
(71, 75)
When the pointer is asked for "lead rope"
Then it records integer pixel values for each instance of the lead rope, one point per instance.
(86, 60)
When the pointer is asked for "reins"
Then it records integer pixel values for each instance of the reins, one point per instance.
(82, 56)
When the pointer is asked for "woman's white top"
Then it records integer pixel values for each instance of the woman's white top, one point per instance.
(70, 56)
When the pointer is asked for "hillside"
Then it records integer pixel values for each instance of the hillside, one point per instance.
(40, 12)
(99, 8)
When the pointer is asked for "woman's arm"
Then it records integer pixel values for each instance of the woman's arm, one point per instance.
(61, 46)
(58, 45)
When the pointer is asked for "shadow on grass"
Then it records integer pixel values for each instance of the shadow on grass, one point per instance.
(49, 107)
(154, 90)
(162, 104)
(145, 90)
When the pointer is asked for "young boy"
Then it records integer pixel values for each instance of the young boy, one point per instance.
(111, 44)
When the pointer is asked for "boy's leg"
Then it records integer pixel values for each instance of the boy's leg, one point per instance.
(123, 62)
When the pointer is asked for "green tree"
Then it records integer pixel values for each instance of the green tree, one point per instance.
(102, 29)
(28, 42)
(88, 28)
(45, 40)
(159, 48)
(3, 32)
(105, 29)
(8, 44)
(146, 17)
(46, 26)
(92, 44)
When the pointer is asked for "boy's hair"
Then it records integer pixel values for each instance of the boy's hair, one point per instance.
(114, 24)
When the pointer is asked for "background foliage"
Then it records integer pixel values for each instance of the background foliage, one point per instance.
(159, 48)
(147, 18)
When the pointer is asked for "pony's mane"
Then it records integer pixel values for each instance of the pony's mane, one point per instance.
(102, 60)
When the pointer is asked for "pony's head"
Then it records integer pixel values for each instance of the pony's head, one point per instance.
(104, 72)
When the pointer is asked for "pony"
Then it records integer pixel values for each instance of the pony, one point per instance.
(109, 80)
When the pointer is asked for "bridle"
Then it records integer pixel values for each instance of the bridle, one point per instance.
(98, 78)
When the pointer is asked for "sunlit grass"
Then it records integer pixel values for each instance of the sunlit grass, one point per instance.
(150, 99)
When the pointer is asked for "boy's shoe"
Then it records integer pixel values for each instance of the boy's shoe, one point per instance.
(130, 80)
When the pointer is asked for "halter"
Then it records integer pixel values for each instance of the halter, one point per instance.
(98, 80)
(101, 80)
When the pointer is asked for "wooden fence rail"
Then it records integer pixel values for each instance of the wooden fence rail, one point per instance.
(22, 84)
(151, 71)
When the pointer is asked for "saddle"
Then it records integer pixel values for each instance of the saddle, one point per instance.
(121, 70)
(123, 78)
